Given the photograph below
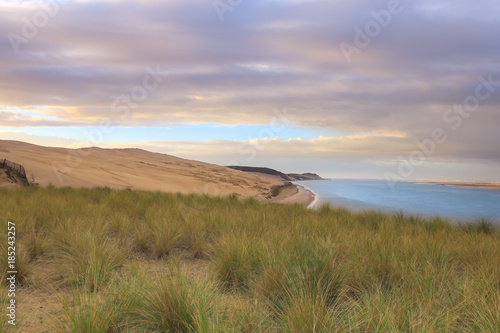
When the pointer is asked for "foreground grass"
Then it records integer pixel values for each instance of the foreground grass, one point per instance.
(99, 260)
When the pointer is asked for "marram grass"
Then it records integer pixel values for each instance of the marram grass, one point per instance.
(101, 260)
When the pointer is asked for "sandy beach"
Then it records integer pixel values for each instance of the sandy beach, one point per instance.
(476, 185)
(297, 194)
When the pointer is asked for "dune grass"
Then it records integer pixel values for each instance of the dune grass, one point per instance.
(172, 302)
(88, 259)
(134, 261)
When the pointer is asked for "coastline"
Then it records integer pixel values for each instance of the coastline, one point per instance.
(471, 185)
(316, 197)
(299, 194)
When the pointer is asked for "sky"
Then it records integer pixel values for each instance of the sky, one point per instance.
(393, 89)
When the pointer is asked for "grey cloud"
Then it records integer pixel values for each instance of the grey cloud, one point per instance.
(427, 59)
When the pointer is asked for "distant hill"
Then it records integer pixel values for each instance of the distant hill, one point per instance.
(287, 177)
(304, 176)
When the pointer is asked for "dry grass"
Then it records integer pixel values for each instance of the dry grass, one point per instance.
(133, 261)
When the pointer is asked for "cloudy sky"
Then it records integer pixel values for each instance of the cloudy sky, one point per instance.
(345, 88)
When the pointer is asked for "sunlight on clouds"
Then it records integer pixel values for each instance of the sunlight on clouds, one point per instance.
(197, 97)
(272, 54)
(360, 146)
(390, 133)
(260, 67)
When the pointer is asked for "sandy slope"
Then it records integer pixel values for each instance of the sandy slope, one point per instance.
(131, 168)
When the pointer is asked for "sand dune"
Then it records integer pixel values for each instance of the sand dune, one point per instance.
(134, 169)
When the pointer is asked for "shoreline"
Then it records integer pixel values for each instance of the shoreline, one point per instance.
(316, 197)
(470, 185)
(300, 194)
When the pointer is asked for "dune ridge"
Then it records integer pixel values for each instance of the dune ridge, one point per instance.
(137, 169)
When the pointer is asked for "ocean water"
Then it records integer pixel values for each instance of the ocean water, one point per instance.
(460, 204)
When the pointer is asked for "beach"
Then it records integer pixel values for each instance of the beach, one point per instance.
(296, 194)
(476, 185)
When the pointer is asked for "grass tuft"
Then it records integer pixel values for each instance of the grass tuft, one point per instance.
(172, 303)
(165, 237)
(93, 312)
(88, 260)
(482, 225)
(236, 260)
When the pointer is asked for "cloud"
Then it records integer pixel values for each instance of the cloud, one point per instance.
(390, 148)
(265, 55)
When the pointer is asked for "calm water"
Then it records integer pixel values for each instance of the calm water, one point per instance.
(423, 200)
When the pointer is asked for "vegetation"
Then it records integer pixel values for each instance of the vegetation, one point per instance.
(101, 260)
(276, 189)
(267, 171)
(286, 177)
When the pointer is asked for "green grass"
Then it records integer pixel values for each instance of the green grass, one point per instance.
(135, 261)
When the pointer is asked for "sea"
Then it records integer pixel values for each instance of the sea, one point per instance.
(424, 200)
